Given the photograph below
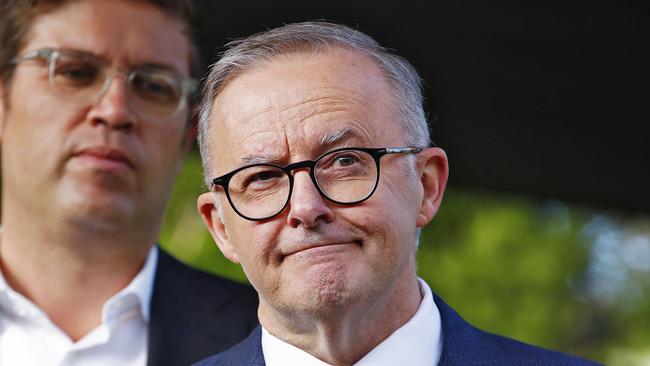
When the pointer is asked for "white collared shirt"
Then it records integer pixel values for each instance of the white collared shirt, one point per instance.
(416, 343)
(29, 338)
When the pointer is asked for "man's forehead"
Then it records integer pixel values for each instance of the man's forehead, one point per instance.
(322, 117)
(298, 85)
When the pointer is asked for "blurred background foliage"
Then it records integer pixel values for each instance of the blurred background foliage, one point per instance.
(568, 278)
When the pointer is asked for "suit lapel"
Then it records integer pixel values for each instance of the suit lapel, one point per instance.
(253, 348)
(247, 353)
(194, 315)
(460, 340)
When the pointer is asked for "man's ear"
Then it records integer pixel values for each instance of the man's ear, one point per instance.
(207, 206)
(433, 170)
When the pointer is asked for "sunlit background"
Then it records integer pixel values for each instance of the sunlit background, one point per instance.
(549, 273)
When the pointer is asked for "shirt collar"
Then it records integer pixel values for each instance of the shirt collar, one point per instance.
(417, 342)
(138, 291)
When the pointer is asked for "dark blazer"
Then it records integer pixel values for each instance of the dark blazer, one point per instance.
(462, 344)
(195, 314)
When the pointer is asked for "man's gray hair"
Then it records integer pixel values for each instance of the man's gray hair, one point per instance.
(309, 37)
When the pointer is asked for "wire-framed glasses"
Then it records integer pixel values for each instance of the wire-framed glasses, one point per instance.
(83, 77)
(344, 176)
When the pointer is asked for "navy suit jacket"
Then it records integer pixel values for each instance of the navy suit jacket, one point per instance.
(462, 344)
(195, 314)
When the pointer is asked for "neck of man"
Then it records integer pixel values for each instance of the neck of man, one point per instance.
(61, 266)
(343, 335)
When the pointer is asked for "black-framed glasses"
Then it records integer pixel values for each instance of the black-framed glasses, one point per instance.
(344, 176)
(84, 77)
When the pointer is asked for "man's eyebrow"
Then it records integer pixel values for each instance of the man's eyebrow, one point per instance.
(258, 159)
(334, 137)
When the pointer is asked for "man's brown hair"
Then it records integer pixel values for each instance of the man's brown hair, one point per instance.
(17, 17)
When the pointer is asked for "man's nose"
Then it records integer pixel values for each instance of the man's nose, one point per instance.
(307, 207)
(111, 108)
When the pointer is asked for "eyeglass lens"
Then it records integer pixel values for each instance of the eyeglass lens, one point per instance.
(261, 191)
(83, 78)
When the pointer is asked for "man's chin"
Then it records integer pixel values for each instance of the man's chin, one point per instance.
(105, 211)
(320, 295)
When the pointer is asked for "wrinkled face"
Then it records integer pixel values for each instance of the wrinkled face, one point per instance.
(315, 255)
(99, 163)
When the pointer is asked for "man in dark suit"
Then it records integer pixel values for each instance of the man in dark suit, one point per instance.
(95, 105)
(316, 146)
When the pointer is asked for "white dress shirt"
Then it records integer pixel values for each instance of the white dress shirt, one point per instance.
(29, 338)
(416, 343)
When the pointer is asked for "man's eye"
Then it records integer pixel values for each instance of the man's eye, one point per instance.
(76, 74)
(155, 88)
(345, 160)
(264, 176)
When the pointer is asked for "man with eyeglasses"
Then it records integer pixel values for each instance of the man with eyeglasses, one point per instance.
(96, 98)
(317, 153)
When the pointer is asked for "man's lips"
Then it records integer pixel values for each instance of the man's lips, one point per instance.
(104, 155)
(308, 247)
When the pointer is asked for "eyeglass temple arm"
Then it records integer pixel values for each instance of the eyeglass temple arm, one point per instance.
(403, 150)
